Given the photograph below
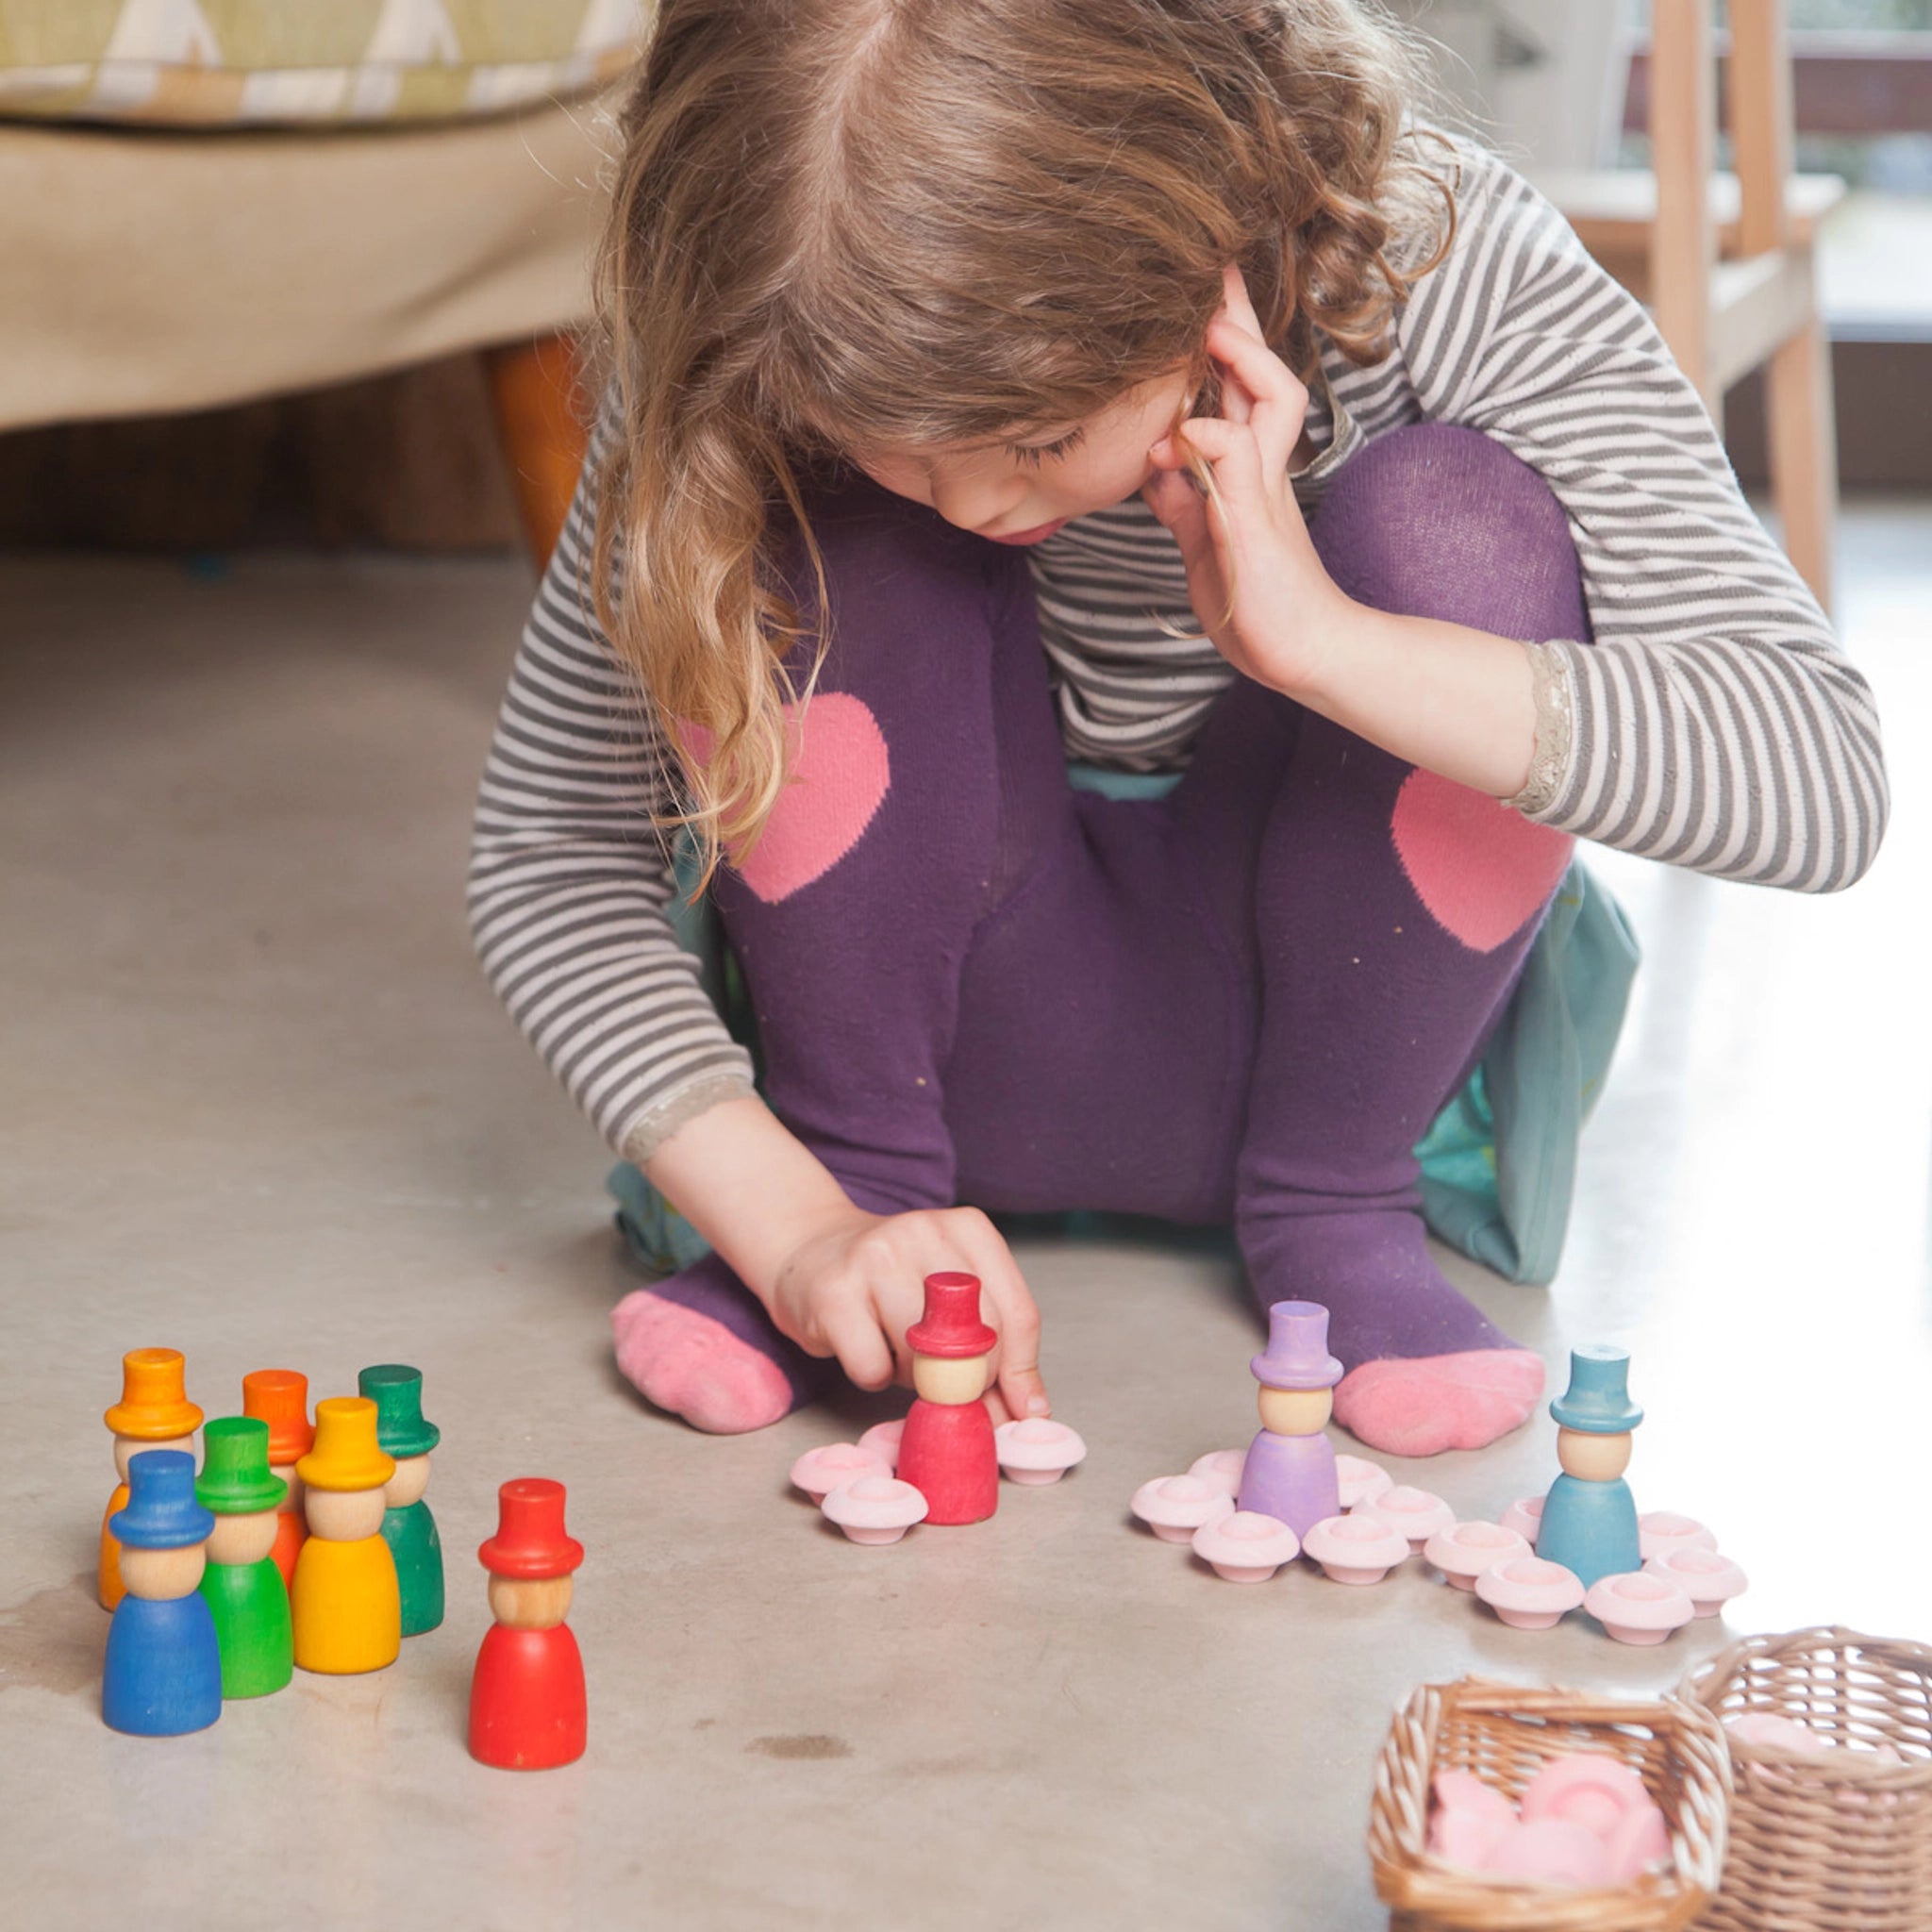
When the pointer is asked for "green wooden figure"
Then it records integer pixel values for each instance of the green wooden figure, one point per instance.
(407, 1527)
(241, 1586)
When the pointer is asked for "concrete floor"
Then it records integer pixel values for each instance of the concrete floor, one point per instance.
(259, 1105)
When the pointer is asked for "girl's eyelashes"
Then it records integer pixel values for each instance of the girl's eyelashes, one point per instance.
(1034, 453)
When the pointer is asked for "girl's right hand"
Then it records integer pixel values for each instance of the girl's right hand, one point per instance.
(855, 1285)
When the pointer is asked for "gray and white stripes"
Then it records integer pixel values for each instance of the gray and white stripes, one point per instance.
(1713, 723)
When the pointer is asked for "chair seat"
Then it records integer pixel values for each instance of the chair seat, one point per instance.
(1612, 208)
(252, 63)
(154, 272)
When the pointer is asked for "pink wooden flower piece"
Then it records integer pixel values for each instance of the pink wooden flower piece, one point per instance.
(1639, 1609)
(1550, 1851)
(1641, 1840)
(1768, 1730)
(883, 1440)
(875, 1507)
(1464, 1550)
(1588, 1788)
(1528, 1594)
(1246, 1546)
(819, 1472)
(1417, 1513)
(1658, 1532)
(1710, 1579)
(1526, 1517)
(1036, 1450)
(1361, 1481)
(1174, 1507)
(1222, 1466)
(1468, 1818)
(1358, 1548)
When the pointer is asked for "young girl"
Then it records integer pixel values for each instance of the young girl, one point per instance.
(1000, 381)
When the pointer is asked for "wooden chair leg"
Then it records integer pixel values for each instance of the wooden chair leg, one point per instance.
(1802, 440)
(540, 416)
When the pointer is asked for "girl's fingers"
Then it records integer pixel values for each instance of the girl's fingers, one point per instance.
(1281, 402)
(1234, 452)
(1238, 396)
(1234, 297)
(1018, 1321)
(1184, 515)
(861, 1344)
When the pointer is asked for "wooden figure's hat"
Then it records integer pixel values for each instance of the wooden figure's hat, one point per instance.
(530, 1541)
(1597, 1402)
(346, 1454)
(160, 1512)
(1297, 1352)
(397, 1393)
(235, 1480)
(951, 1329)
(153, 1405)
(281, 1398)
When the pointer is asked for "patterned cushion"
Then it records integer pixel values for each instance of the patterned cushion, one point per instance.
(262, 62)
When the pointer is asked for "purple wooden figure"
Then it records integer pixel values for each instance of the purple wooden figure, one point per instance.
(1289, 1473)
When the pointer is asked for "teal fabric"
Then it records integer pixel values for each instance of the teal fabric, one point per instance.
(1499, 1165)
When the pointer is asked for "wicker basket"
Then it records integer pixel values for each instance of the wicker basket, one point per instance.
(1504, 1733)
(1840, 1842)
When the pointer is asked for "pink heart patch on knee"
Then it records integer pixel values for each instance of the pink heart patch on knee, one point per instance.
(838, 771)
(1480, 868)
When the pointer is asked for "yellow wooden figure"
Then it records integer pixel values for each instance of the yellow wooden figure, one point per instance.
(154, 1412)
(348, 1611)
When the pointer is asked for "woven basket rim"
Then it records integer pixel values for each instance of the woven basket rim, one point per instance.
(1706, 1682)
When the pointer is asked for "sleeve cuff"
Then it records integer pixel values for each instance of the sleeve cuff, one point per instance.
(1556, 729)
(643, 1137)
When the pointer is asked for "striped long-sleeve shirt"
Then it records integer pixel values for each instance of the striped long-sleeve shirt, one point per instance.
(1713, 722)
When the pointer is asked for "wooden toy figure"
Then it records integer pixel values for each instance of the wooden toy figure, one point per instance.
(527, 1709)
(154, 1412)
(347, 1609)
(163, 1671)
(241, 1585)
(1590, 1517)
(947, 1451)
(407, 1527)
(1290, 1471)
(279, 1397)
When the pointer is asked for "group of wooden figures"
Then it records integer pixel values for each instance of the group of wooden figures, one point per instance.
(1589, 1521)
(308, 1545)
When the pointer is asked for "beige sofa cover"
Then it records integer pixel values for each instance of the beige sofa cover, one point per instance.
(154, 271)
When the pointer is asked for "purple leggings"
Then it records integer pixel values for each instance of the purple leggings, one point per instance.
(1245, 1000)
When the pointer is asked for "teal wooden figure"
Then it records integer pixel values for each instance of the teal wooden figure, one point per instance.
(241, 1585)
(1590, 1516)
(407, 1527)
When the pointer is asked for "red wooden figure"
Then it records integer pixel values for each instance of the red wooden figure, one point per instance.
(947, 1453)
(526, 1698)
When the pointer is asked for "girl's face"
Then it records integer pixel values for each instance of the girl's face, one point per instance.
(1022, 491)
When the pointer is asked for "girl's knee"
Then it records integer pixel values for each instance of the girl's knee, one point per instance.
(1440, 521)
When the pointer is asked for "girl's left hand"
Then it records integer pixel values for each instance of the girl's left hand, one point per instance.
(1286, 612)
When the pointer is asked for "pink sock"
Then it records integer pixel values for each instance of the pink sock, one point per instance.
(1428, 1370)
(1428, 1404)
(699, 1345)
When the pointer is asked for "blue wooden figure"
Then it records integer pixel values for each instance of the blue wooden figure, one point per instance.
(163, 1669)
(1590, 1516)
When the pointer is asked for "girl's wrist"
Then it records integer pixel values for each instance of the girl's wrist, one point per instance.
(1456, 700)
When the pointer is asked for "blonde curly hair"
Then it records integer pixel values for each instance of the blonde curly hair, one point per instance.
(938, 222)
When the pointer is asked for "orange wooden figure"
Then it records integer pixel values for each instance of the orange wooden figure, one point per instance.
(154, 1412)
(279, 1397)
